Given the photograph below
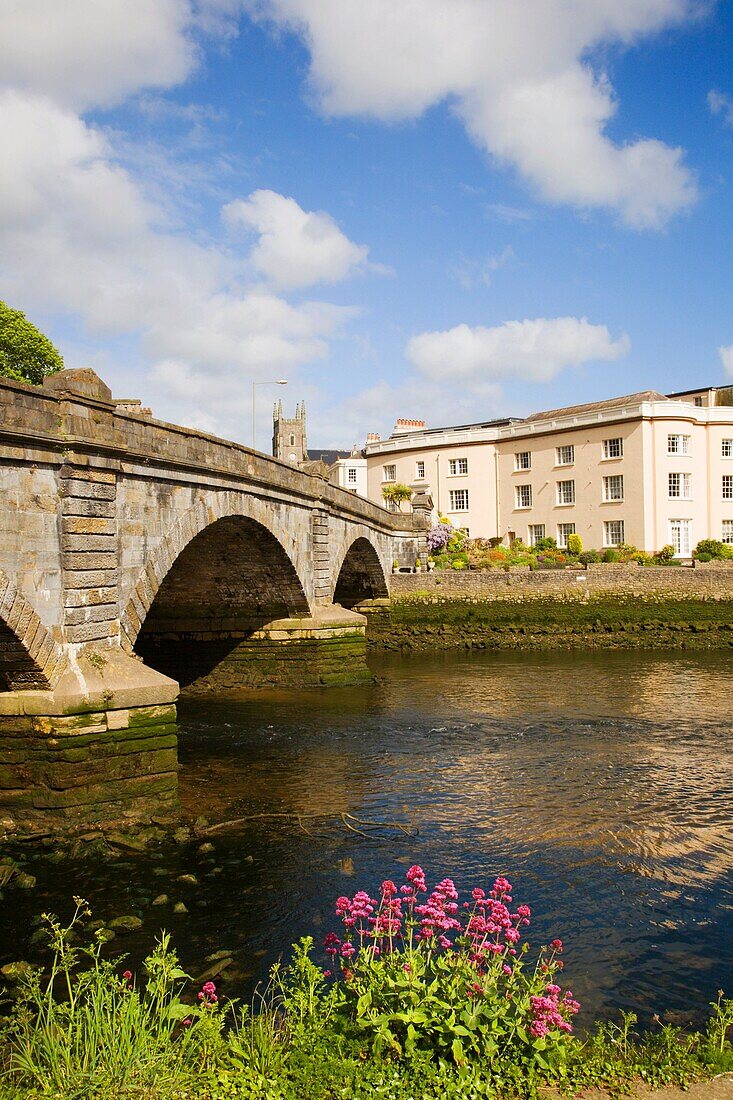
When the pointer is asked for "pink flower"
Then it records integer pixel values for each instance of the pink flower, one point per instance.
(416, 877)
(388, 888)
(127, 975)
(556, 945)
(186, 1022)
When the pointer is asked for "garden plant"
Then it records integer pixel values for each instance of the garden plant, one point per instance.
(424, 995)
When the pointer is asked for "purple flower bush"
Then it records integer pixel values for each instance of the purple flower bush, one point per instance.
(438, 537)
(421, 972)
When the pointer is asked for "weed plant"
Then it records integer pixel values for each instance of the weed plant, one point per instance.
(432, 999)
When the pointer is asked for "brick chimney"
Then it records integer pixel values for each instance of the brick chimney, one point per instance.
(373, 437)
(402, 427)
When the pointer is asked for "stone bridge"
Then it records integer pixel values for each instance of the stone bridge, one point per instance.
(137, 555)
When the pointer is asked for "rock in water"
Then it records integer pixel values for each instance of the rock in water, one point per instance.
(126, 924)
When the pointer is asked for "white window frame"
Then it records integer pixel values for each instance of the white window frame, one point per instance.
(608, 496)
(727, 487)
(351, 475)
(519, 492)
(533, 533)
(563, 534)
(726, 448)
(457, 467)
(608, 444)
(684, 483)
(560, 493)
(389, 472)
(683, 543)
(726, 532)
(610, 524)
(458, 500)
(419, 471)
(521, 455)
(678, 444)
(562, 461)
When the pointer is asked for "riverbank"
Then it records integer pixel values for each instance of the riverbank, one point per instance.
(414, 1001)
(606, 606)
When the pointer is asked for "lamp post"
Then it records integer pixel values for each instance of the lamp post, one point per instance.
(279, 382)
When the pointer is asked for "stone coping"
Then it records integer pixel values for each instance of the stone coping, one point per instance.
(95, 680)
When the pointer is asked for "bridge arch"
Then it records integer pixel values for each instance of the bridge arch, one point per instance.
(360, 575)
(227, 580)
(29, 657)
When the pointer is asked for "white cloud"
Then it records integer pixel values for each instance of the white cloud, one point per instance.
(531, 350)
(721, 104)
(726, 358)
(79, 236)
(517, 74)
(84, 53)
(296, 248)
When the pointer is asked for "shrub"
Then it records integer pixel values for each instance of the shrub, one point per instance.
(589, 557)
(545, 544)
(439, 537)
(575, 544)
(712, 550)
(611, 555)
(665, 555)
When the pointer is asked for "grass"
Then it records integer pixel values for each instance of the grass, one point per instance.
(88, 1029)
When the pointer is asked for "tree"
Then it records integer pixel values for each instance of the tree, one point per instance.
(396, 493)
(25, 353)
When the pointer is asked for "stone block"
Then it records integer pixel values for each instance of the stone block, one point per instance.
(97, 613)
(93, 490)
(91, 578)
(89, 525)
(83, 506)
(84, 543)
(89, 474)
(92, 632)
(88, 597)
(86, 562)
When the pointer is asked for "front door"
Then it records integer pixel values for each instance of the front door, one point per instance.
(679, 537)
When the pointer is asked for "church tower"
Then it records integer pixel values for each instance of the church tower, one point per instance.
(288, 436)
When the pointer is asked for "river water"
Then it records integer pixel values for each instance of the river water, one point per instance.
(601, 784)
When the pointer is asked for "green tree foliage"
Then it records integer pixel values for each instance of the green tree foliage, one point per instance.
(396, 493)
(26, 355)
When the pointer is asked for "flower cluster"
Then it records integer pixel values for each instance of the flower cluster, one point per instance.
(493, 930)
(207, 994)
(483, 935)
(551, 1011)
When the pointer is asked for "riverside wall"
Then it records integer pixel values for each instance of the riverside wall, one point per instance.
(604, 606)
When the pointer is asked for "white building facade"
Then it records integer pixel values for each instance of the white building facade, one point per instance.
(647, 469)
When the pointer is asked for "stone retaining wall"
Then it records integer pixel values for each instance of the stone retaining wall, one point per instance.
(605, 606)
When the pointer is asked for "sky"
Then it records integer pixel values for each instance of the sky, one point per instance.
(443, 209)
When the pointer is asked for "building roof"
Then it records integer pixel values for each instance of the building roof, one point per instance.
(598, 406)
(329, 457)
(499, 423)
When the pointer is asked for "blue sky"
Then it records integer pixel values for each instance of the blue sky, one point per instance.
(454, 209)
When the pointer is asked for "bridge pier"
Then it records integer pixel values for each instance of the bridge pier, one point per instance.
(101, 745)
(325, 649)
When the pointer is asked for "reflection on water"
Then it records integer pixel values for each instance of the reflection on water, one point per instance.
(600, 783)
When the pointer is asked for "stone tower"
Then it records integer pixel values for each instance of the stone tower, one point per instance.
(288, 436)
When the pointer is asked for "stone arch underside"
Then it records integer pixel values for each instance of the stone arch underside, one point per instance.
(361, 576)
(29, 658)
(227, 582)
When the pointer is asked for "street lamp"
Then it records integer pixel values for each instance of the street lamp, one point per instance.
(279, 382)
